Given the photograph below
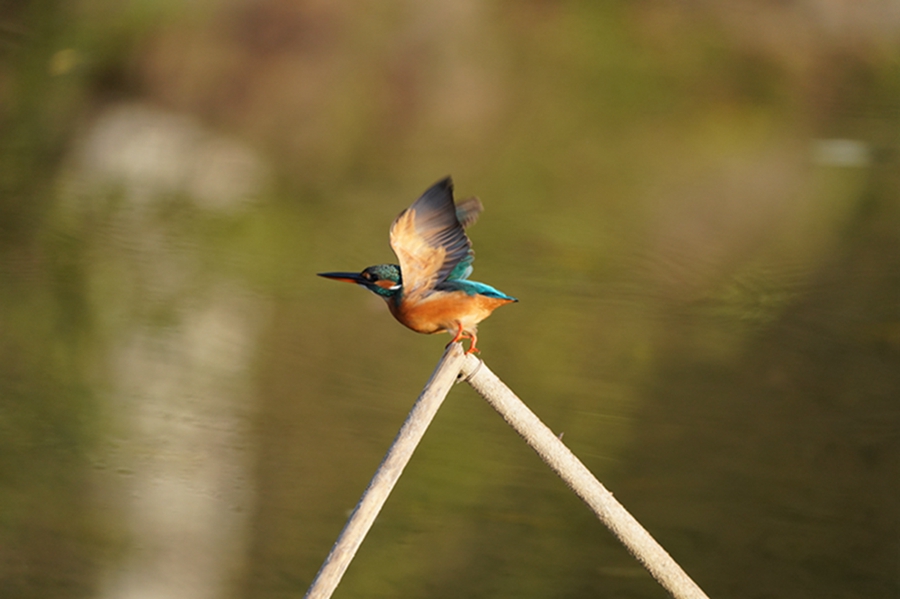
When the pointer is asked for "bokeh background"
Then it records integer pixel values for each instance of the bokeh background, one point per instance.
(697, 204)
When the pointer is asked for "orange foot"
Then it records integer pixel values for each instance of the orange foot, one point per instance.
(472, 349)
(460, 334)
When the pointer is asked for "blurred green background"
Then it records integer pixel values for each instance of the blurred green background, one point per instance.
(697, 204)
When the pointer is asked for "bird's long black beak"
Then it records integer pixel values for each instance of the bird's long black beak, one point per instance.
(346, 277)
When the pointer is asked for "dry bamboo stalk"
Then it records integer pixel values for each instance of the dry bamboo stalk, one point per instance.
(576, 475)
(388, 473)
(549, 447)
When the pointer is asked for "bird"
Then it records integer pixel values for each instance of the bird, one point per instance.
(429, 290)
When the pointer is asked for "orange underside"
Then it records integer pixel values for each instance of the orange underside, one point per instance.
(457, 313)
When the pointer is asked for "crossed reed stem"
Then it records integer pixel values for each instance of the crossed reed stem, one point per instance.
(456, 366)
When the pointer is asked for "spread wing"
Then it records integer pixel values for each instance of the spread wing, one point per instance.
(429, 240)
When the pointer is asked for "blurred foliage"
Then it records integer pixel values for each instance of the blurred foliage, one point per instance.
(708, 315)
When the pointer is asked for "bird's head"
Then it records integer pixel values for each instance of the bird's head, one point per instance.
(381, 279)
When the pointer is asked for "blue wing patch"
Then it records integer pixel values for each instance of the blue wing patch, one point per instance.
(474, 288)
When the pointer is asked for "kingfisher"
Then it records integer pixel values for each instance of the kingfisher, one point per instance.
(429, 290)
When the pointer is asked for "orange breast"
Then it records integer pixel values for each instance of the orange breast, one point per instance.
(443, 311)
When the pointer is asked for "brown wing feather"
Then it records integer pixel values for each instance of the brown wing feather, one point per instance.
(467, 211)
(429, 239)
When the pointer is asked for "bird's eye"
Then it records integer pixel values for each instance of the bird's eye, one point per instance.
(368, 276)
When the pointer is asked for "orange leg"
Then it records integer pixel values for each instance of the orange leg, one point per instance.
(459, 334)
(463, 335)
(472, 349)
